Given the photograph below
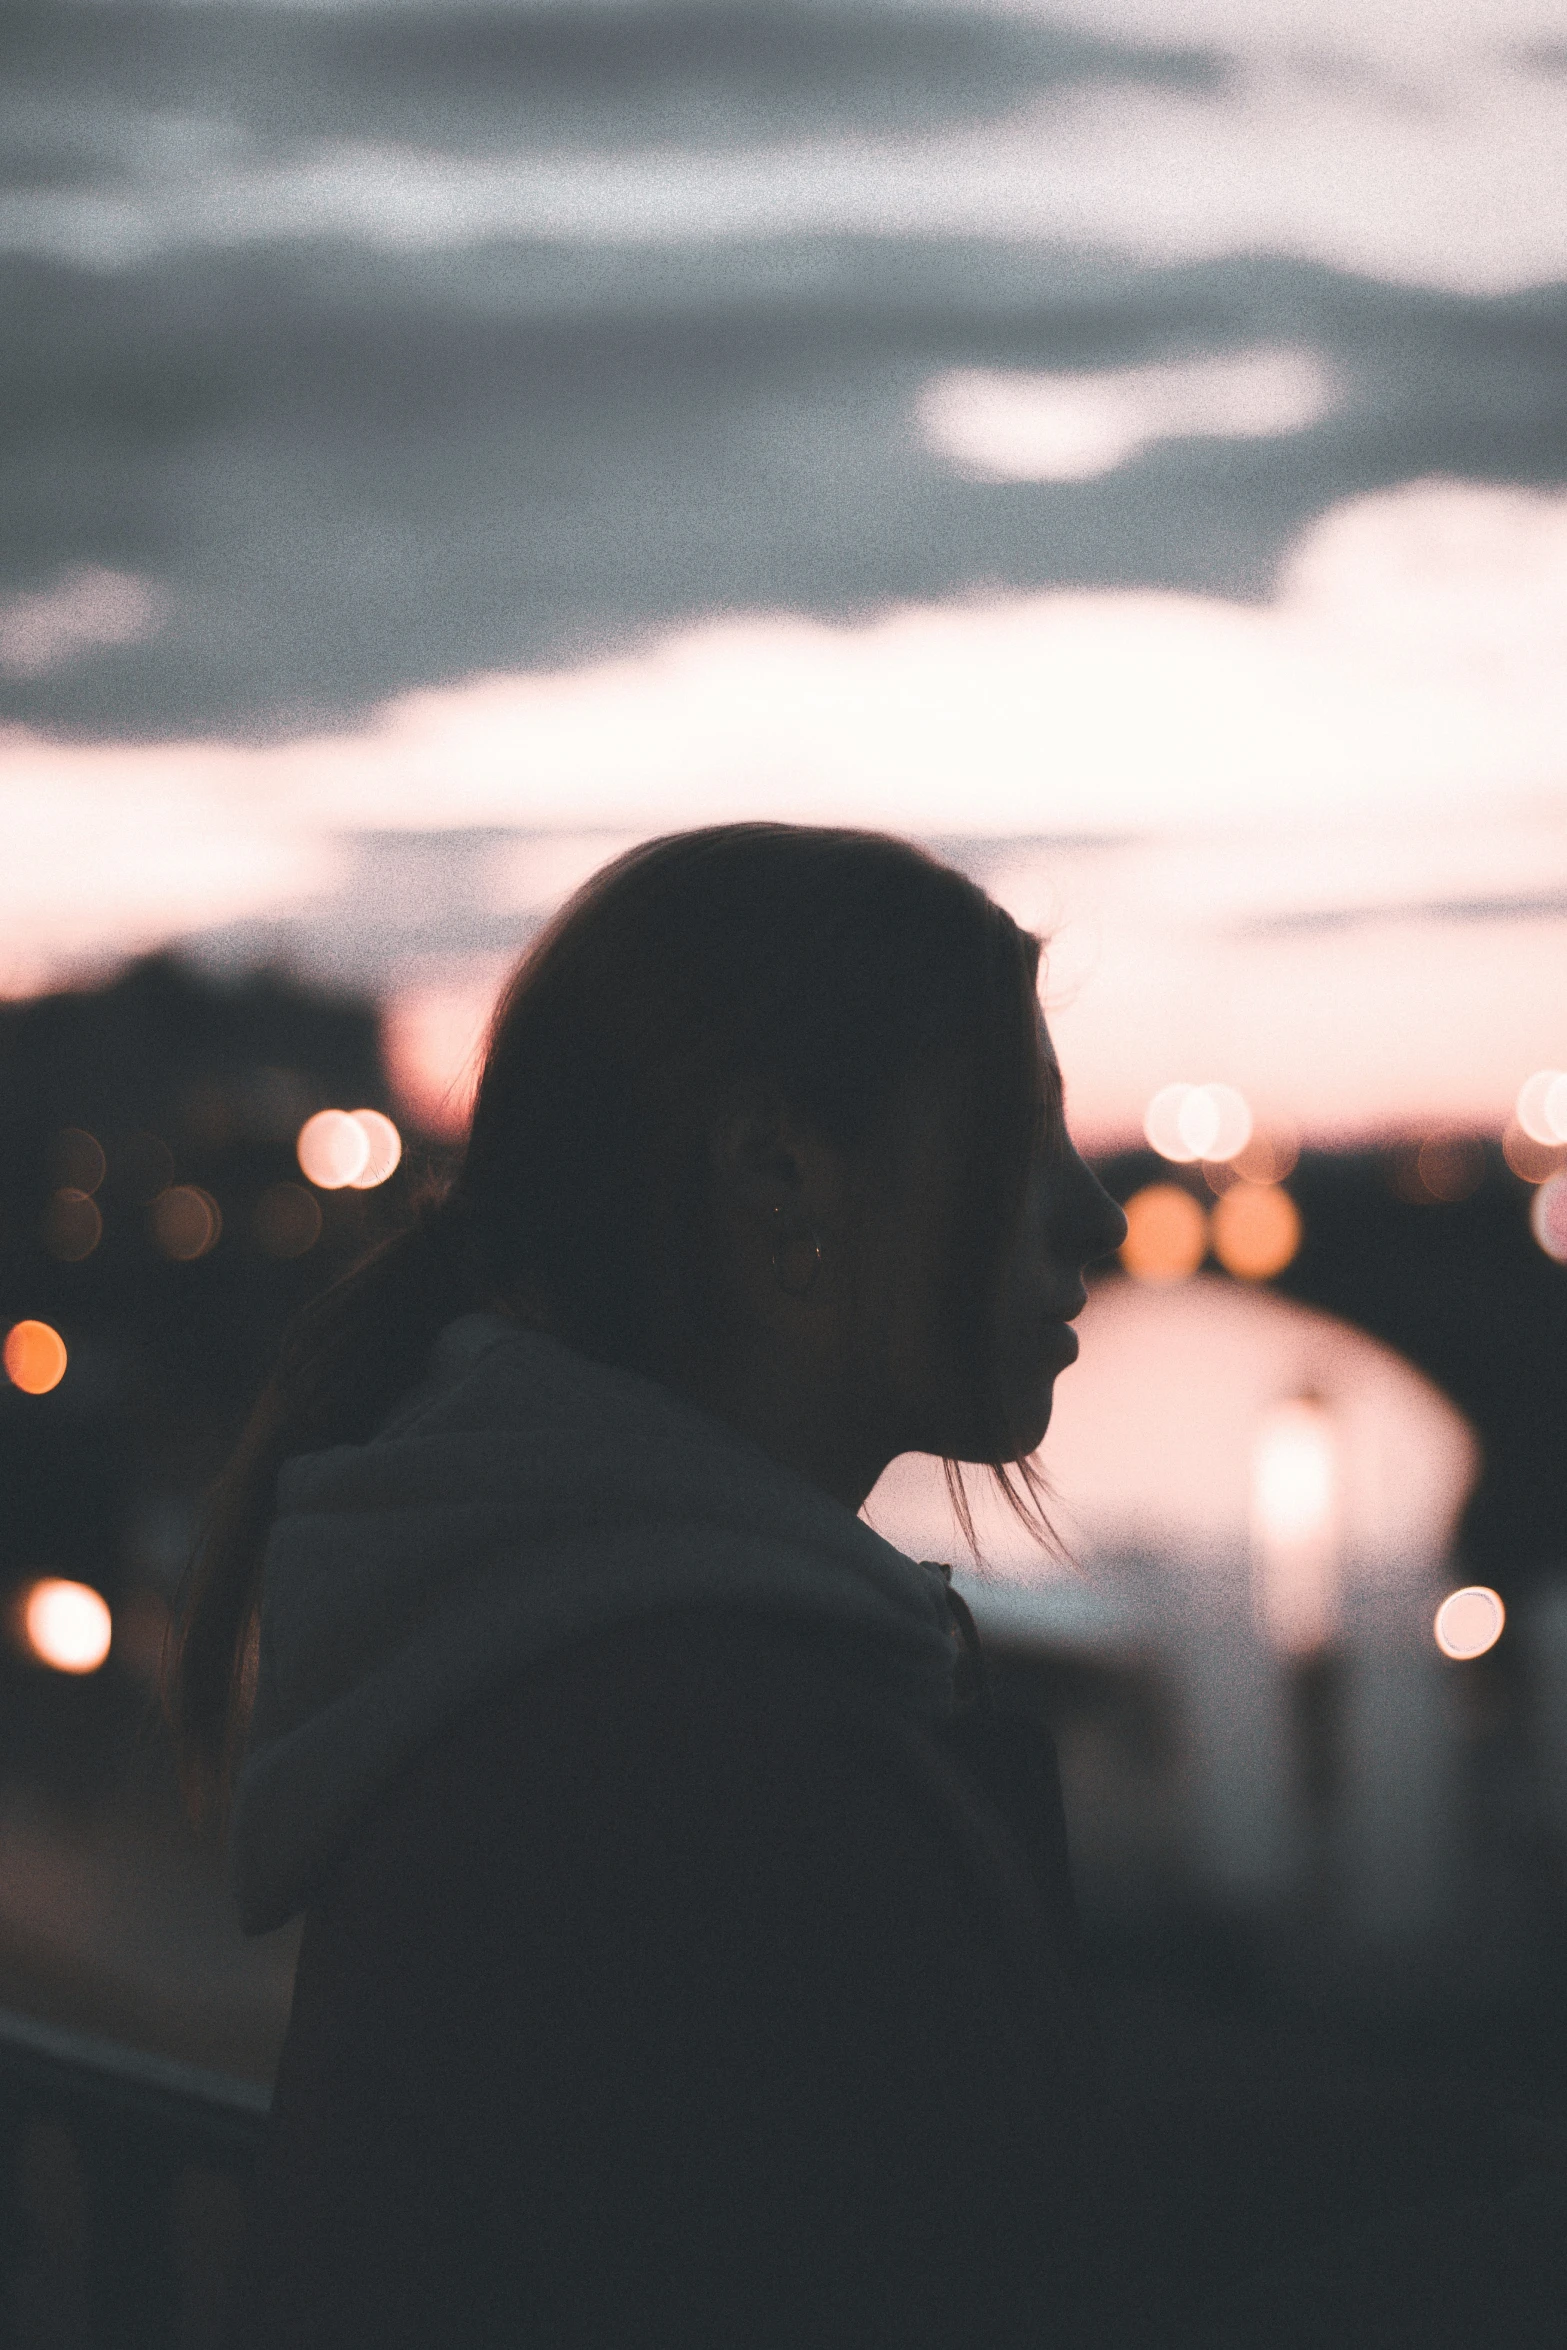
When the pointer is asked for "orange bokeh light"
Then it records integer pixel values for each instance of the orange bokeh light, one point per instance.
(35, 1357)
(66, 1625)
(1166, 1234)
(1256, 1230)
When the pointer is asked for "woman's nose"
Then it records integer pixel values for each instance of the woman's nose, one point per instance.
(1102, 1224)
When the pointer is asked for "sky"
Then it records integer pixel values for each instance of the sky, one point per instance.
(1122, 444)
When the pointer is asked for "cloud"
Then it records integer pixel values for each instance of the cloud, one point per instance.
(1013, 425)
(1426, 159)
(1313, 848)
(86, 607)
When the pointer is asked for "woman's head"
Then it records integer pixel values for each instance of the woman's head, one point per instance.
(768, 1113)
(738, 1044)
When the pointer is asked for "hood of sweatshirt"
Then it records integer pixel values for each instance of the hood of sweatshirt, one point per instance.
(522, 1498)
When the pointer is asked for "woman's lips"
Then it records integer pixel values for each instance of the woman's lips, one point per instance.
(1064, 1339)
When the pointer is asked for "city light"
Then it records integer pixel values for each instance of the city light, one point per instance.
(79, 1163)
(348, 1149)
(1166, 1234)
(1532, 1161)
(1269, 1157)
(1188, 1122)
(72, 1226)
(34, 1357)
(1256, 1230)
(66, 1625)
(287, 1220)
(1542, 1106)
(1469, 1621)
(1548, 1218)
(333, 1149)
(186, 1222)
(1294, 1523)
(385, 1149)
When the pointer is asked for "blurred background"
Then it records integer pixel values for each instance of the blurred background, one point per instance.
(1120, 443)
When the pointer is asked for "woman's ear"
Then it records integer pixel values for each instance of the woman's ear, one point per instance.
(763, 1158)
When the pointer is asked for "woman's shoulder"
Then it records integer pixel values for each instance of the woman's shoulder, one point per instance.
(746, 1756)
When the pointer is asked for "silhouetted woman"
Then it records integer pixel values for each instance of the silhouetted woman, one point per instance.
(687, 1953)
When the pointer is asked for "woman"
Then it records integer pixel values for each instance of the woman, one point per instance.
(687, 1951)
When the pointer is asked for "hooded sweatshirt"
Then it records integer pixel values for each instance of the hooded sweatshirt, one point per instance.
(523, 1498)
(684, 1961)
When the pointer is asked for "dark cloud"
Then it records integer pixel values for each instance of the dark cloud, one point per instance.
(351, 471)
(354, 473)
(463, 77)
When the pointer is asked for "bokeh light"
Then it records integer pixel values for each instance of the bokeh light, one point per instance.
(34, 1357)
(1542, 1106)
(287, 1220)
(1166, 1234)
(1469, 1621)
(1437, 1172)
(1548, 1218)
(1295, 1500)
(1450, 1167)
(1534, 1162)
(333, 1149)
(186, 1222)
(1269, 1156)
(72, 1226)
(79, 1163)
(1256, 1230)
(385, 1149)
(1188, 1122)
(66, 1625)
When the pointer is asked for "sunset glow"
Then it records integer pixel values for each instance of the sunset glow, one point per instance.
(1237, 832)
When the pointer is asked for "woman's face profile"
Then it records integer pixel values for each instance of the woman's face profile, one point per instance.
(1068, 1220)
(844, 1370)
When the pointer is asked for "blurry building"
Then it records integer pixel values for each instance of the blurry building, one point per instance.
(1260, 1506)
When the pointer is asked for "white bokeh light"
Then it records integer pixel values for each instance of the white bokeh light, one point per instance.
(383, 1149)
(1542, 1106)
(1188, 1122)
(333, 1149)
(1469, 1621)
(67, 1625)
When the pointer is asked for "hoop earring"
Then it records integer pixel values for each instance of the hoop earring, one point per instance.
(796, 1274)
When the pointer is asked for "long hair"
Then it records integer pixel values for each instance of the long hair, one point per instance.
(835, 964)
